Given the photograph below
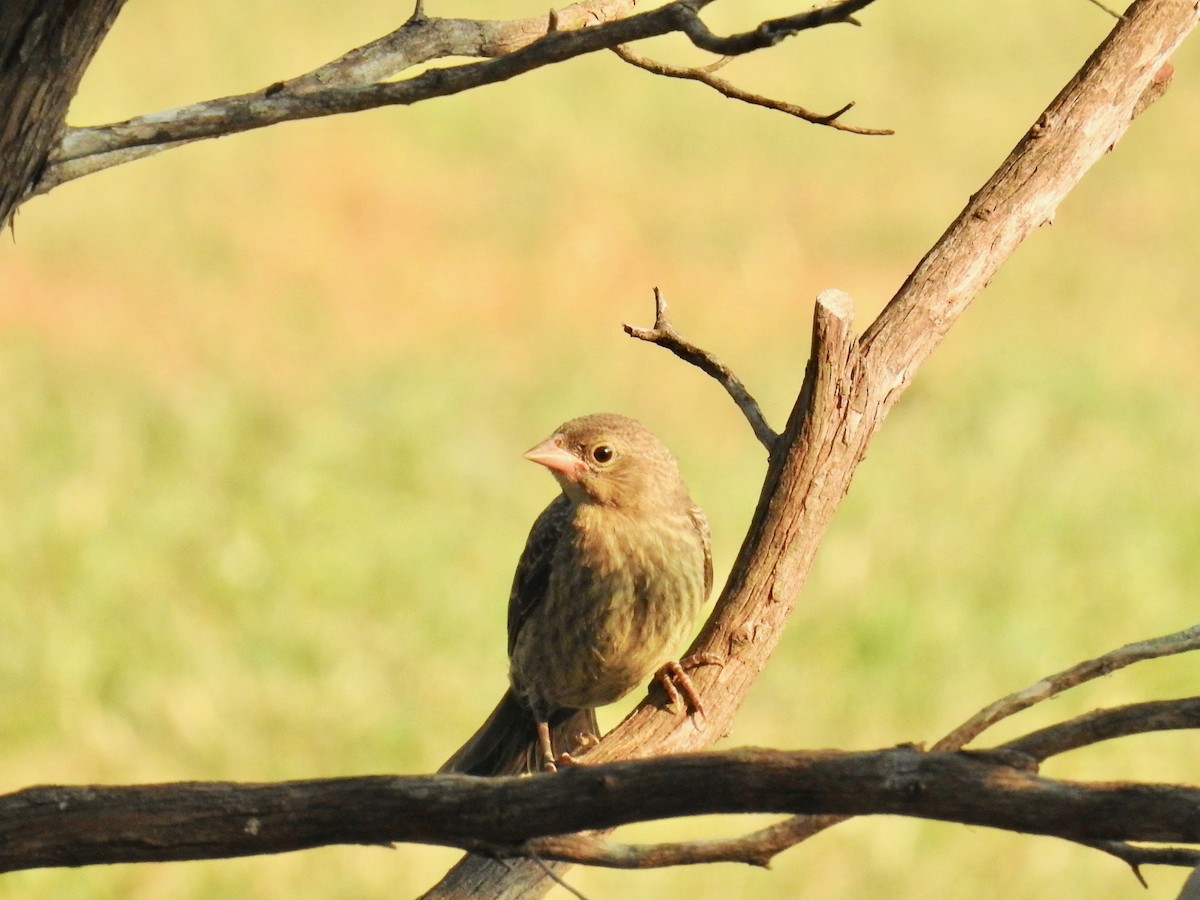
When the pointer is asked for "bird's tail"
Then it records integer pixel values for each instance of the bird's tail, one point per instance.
(506, 744)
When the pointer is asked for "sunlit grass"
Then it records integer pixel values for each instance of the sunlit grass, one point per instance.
(263, 402)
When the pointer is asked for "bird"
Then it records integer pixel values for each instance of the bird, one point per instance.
(611, 581)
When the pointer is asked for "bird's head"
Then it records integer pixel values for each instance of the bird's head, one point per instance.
(613, 461)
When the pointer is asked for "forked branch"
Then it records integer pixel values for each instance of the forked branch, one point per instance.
(851, 386)
(1180, 642)
(357, 80)
(518, 816)
(704, 75)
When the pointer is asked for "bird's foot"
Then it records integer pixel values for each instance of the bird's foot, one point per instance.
(584, 741)
(545, 748)
(564, 760)
(681, 692)
(696, 660)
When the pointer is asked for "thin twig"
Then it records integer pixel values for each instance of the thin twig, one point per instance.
(1056, 739)
(760, 847)
(555, 877)
(1112, 12)
(771, 32)
(717, 64)
(1089, 670)
(594, 851)
(664, 335)
(757, 848)
(1136, 857)
(728, 89)
(1106, 724)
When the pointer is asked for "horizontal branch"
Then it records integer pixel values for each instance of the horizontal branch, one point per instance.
(771, 32)
(72, 826)
(344, 85)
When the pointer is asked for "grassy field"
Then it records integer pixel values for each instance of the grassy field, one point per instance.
(262, 404)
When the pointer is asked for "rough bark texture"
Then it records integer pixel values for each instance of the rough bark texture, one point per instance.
(71, 826)
(45, 47)
(849, 388)
(853, 385)
(351, 83)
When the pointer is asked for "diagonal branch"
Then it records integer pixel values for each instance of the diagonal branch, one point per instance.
(703, 74)
(852, 385)
(45, 48)
(663, 334)
(1155, 648)
(848, 389)
(759, 847)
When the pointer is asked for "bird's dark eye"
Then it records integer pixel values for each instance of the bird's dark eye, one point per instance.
(602, 453)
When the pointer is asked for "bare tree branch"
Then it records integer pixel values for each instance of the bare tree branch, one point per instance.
(771, 32)
(848, 389)
(1111, 12)
(1091, 728)
(71, 826)
(591, 850)
(851, 386)
(759, 848)
(352, 82)
(703, 74)
(1136, 857)
(664, 334)
(44, 50)
(1107, 724)
(424, 38)
(1179, 642)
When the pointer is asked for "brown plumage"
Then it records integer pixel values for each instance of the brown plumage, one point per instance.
(611, 581)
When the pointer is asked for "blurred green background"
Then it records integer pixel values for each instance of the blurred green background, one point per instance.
(263, 399)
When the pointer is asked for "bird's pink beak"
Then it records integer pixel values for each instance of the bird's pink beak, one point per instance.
(551, 454)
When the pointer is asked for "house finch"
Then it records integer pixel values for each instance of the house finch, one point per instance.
(611, 580)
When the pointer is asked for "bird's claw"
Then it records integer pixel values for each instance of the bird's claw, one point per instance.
(584, 741)
(681, 692)
(565, 759)
(696, 660)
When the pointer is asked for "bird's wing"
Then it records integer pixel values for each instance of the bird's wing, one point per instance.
(532, 578)
(701, 522)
